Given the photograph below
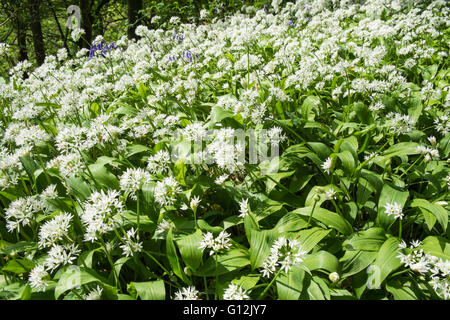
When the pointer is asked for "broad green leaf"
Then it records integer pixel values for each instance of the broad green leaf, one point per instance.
(389, 195)
(260, 243)
(18, 266)
(231, 260)
(328, 218)
(189, 249)
(150, 290)
(172, 256)
(387, 260)
(368, 240)
(322, 260)
(438, 211)
(310, 237)
(436, 246)
(290, 285)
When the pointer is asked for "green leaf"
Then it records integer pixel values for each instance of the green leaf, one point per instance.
(400, 291)
(190, 252)
(368, 240)
(18, 266)
(150, 290)
(81, 189)
(290, 285)
(387, 260)
(322, 260)
(347, 160)
(438, 211)
(104, 177)
(389, 195)
(21, 246)
(436, 246)
(260, 243)
(229, 261)
(328, 218)
(172, 256)
(74, 277)
(309, 238)
(308, 106)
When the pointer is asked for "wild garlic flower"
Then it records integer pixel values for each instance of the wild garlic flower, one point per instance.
(159, 163)
(22, 211)
(284, 254)
(244, 208)
(442, 124)
(166, 191)
(100, 212)
(195, 201)
(235, 292)
(54, 230)
(95, 294)
(187, 293)
(218, 244)
(131, 243)
(36, 278)
(330, 194)
(327, 164)
(132, 181)
(400, 123)
(60, 255)
(435, 270)
(163, 227)
(394, 209)
(221, 179)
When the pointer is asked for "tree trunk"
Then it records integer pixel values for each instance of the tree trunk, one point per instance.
(36, 29)
(86, 24)
(133, 15)
(21, 37)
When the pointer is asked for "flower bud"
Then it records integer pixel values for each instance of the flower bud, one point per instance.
(334, 277)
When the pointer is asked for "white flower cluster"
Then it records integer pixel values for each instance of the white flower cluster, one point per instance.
(166, 191)
(400, 123)
(132, 180)
(436, 269)
(394, 209)
(244, 208)
(22, 211)
(99, 213)
(429, 153)
(187, 293)
(54, 230)
(131, 243)
(218, 244)
(284, 254)
(235, 292)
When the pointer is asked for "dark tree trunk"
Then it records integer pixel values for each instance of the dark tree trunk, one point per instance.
(36, 29)
(133, 16)
(86, 24)
(21, 37)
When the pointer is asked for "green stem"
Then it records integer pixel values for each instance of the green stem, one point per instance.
(270, 284)
(311, 214)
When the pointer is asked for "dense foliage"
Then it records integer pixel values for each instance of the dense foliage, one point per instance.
(355, 94)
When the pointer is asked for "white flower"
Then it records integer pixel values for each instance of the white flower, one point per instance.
(36, 277)
(235, 292)
(284, 254)
(100, 212)
(327, 164)
(394, 209)
(195, 201)
(131, 243)
(163, 227)
(95, 294)
(330, 193)
(244, 208)
(61, 255)
(54, 230)
(221, 179)
(222, 242)
(159, 163)
(188, 293)
(166, 191)
(132, 180)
